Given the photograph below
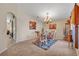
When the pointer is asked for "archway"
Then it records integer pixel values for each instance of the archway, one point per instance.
(11, 28)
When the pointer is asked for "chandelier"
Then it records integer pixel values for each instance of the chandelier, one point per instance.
(47, 18)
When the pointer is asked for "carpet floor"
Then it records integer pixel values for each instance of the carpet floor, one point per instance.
(27, 48)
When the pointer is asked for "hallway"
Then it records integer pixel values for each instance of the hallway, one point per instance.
(27, 48)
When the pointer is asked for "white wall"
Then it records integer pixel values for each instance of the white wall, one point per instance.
(4, 8)
(59, 30)
(23, 32)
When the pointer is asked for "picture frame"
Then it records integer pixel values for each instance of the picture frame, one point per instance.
(32, 24)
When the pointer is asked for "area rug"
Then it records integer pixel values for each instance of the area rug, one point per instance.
(46, 45)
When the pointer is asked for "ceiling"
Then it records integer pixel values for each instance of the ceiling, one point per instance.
(58, 11)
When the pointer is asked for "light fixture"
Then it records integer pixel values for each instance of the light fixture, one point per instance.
(47, 17)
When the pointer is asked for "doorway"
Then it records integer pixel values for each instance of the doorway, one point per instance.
(11, 28)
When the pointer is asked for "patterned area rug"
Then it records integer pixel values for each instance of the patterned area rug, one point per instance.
(46, 45)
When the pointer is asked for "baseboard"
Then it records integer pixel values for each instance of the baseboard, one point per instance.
(3, 50)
